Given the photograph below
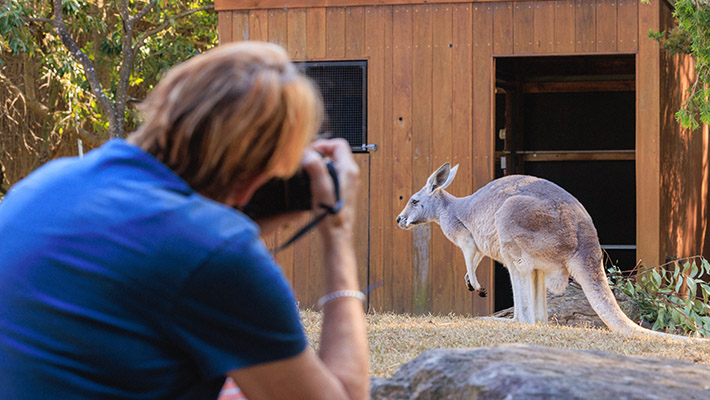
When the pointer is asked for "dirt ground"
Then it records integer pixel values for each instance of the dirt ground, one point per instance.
(395, 339)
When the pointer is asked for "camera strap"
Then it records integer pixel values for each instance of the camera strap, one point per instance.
(328, 211)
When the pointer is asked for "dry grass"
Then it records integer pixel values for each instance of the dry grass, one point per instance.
(395, 339)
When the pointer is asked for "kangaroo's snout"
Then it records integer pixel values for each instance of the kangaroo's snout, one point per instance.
(401, 221)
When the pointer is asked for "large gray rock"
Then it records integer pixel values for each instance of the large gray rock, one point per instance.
(571, 308)
(516, 371)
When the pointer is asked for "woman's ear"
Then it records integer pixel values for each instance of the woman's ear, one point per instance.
(242, 192)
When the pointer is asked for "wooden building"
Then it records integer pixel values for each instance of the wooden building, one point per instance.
(570, 90)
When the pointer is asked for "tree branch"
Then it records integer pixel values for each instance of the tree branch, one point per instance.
(37, 19)
(127, 59)
(85, 136)
(123, 11)
(165, 25)
(43, 112)
(83, 59)
(143, 12)
(130, 51)
(35, 106)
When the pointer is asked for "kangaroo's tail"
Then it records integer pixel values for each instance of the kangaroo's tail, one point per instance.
(596, 288)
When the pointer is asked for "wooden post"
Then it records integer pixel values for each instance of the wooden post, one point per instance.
(648, 137)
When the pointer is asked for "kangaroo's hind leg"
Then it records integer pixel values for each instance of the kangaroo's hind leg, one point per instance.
(539, 296)
(529, 292)
(524, 290)
(523, 301)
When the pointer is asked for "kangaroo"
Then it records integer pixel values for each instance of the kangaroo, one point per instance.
(536, 229)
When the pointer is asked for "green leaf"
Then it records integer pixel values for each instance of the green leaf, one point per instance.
(686, 267)
(694, 270)
(678, 284)
(675, 316)
(629, 289)
(656, 278)
(705, 266)
(705, 290)
(692, 286)
(660, 321)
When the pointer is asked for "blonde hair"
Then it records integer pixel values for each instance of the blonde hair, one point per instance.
(230, 114)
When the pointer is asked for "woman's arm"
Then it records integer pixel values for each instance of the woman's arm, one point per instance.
(343, 346)
(340, 370)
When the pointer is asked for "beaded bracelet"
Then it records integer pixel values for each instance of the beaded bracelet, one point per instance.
(340, 293)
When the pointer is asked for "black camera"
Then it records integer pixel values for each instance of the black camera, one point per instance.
(279, 196)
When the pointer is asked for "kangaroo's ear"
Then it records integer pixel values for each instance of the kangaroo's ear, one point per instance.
(438, 179)
(451, 176)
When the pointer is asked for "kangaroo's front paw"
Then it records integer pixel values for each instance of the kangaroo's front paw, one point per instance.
(475, 286)
(468, 283)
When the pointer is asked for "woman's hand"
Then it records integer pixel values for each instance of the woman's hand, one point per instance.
(322, 188)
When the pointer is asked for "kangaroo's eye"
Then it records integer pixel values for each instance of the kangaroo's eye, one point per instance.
(415, 202)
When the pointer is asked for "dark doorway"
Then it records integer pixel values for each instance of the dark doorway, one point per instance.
(572, 119)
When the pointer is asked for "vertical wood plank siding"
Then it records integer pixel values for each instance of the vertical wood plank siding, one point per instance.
(483, 122)
(380, 170)
(224, 30)
(240, 25)
(606, 26)
(627, 25)
(335, 33)
(315, 33)
(259, 25)
(431, 72)
(523, 27)
(442, 268)
(422, 135)
(564, 26)
(503, 28)
(463, 138)
(544, 27)
(296, 34)
(399, 279)
(585, 30)
(355, 49)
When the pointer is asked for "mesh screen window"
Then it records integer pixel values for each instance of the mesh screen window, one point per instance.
(343, 86)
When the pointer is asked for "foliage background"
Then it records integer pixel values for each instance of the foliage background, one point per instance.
(46, 100)
(691, 36)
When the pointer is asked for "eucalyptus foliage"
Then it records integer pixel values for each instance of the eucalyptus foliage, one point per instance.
(673, 296)
(692, 36)
(93, 59)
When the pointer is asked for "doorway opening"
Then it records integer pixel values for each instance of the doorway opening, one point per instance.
(572, 120)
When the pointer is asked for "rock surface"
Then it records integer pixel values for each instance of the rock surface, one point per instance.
(571, 308)
(516, 371)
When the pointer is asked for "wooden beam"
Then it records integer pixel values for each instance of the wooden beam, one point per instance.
(223, 5)
(580, 86)
(578, 155)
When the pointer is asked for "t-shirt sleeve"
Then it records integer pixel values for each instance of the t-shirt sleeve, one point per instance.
(238, 310)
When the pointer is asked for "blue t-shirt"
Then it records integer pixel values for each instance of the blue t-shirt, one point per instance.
(118, 281)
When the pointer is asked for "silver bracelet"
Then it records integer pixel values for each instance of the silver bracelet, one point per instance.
(340, 293)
